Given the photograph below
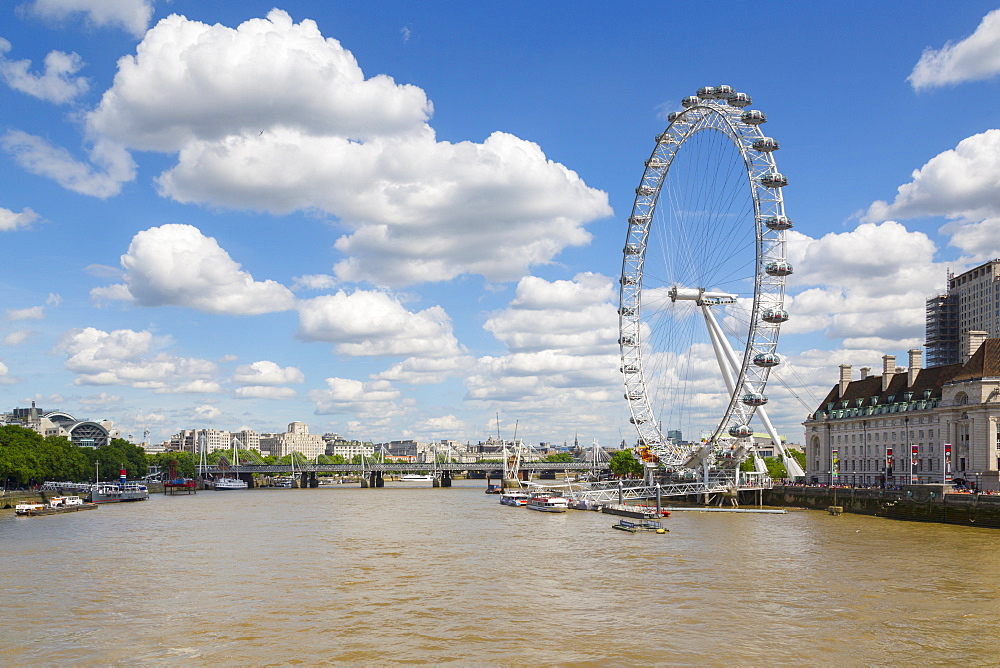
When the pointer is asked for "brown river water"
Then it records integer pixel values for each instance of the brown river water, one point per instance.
(412, 574)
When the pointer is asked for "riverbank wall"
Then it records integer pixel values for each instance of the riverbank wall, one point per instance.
(915, 503)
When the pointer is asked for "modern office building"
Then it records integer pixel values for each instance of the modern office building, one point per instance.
(911, 425)
(971, 303)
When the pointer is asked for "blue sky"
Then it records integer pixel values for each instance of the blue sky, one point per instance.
(398, 220)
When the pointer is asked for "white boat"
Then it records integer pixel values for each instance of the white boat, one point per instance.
(230, 483)
(548, 504)
(225, 482)
(413, 477)
(514, 498)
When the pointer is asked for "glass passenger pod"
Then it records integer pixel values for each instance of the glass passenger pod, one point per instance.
(632, 249)
(690, 101)
(767, 360)
(778, 223)
(671, 117)
(634, 395)
(766, 144)
(754, 117)
(778, 268)
(774, 180)
(706, 93)
(775, 316)
(626, 311)
(645, 191)
(630, 368)
(754, 399)
(641, 219)
(628, 280)
(655, 163)
(627, 341)
(739, 100)
(723, 92)
(634, 420)
(741, 430)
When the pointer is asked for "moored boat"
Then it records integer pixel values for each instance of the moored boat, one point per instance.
(57, 504)
(548, 504)
(415, 477)
(111, 492)
(514, 498)
(230, 483)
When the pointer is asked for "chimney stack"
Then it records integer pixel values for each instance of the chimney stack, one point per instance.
(865, 372)
(845, 378)
(914, 366)
(971, 340)
(888, 369)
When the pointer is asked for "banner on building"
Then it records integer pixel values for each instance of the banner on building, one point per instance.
(947, 463)
(834, 464)
(888, 463)
(913, 463)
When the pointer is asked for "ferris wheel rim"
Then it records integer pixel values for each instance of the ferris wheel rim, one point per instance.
(765, 183)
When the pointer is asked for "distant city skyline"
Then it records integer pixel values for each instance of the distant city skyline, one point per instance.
(384, 221)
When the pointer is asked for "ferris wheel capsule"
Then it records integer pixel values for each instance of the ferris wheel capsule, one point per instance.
(766, 144)
(775, 316)
(754, 117)
(754, 399)
(723, 92)
(778, 268)
(645, 191)
(774, 180)
(655, 163)
(673, 116)
(690, 101)
(767, 359)
(706, 92)
(739, 100)
(778, 223)
(741, 430)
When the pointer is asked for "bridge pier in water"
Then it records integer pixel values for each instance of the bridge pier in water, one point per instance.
(375, 479)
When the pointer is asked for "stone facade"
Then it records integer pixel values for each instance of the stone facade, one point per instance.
(911, 425)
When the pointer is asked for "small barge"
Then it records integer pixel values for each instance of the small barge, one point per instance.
(57, 505)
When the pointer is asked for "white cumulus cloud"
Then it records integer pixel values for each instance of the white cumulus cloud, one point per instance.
(271, 115)
(176, 265)
(366, 323)
(55, 84)
(265, 392)
(10, 221)
(974, 58)
(5, 377)
(266, 372)
(130, 15)
(373, 399)
(130, 358)
(30, 313)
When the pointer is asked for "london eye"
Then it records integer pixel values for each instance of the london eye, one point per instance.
(703, 285)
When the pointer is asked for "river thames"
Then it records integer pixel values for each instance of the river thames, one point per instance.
(410, 574)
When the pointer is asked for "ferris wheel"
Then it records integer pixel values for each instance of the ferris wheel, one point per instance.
(703, 284)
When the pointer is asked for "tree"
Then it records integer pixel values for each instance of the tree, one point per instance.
(558, 458)
(624, 464)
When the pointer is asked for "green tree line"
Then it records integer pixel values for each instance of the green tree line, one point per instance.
(28, 458)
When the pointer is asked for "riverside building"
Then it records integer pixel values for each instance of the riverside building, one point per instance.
(297, 439)
(88, 433)
(971, 303)
(911, 425)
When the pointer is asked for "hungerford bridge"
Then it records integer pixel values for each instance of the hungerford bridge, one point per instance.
(578, 480)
